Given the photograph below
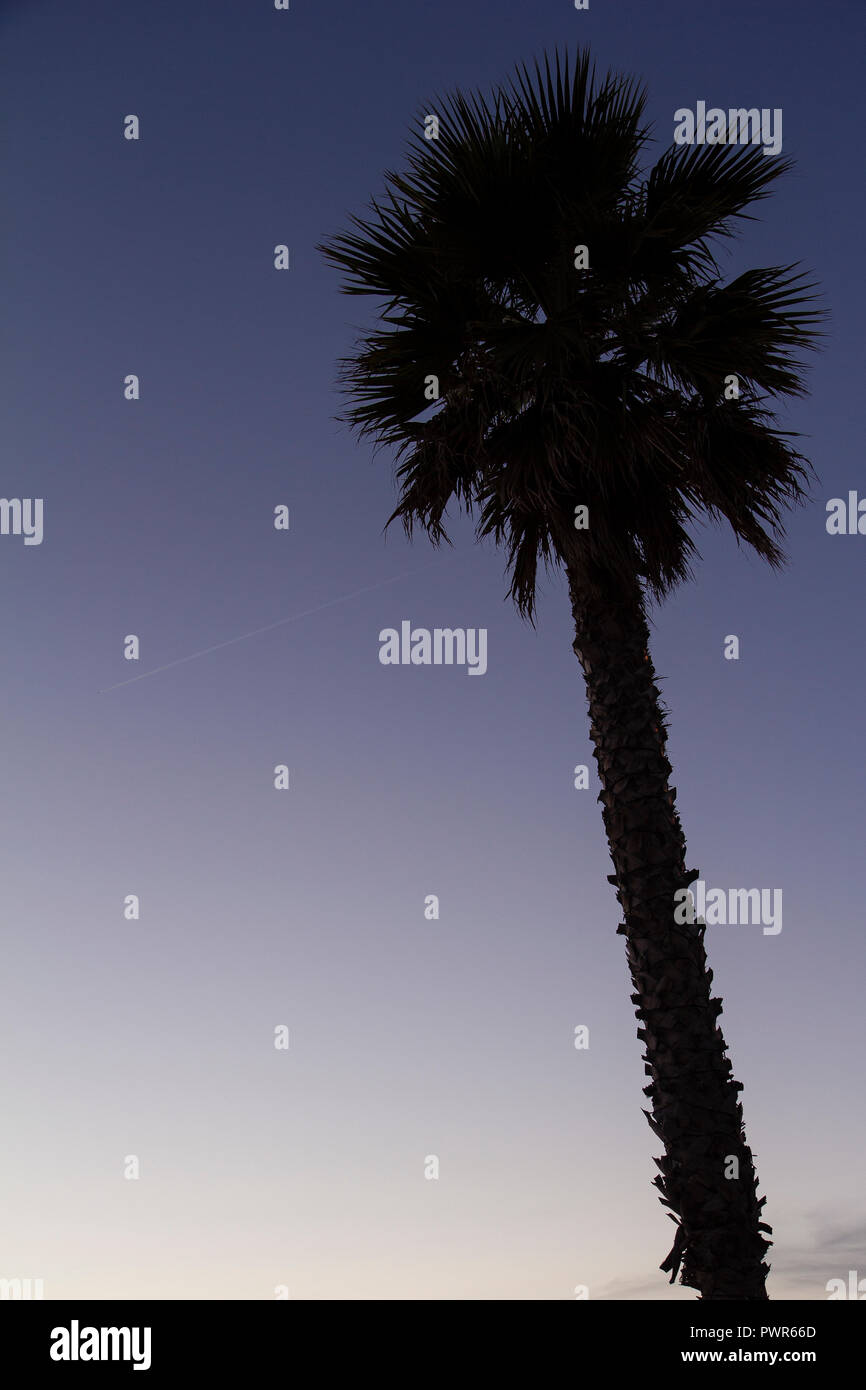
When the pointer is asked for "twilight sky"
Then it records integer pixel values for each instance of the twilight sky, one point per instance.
(305, 907)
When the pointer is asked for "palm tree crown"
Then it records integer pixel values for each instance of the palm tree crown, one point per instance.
(602, 386)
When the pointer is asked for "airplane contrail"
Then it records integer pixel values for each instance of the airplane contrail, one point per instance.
(296, 617)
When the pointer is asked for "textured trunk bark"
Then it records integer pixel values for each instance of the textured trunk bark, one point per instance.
(695, 1110)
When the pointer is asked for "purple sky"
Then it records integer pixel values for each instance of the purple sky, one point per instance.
(260, 907)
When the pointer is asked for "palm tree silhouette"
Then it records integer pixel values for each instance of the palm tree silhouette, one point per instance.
(605, 378)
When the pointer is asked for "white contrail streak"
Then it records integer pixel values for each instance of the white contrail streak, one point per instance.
(296, 617)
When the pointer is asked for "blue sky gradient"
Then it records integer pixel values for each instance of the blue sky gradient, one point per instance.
(306, 908)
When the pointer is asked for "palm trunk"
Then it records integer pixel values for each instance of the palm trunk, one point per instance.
(695, 1108)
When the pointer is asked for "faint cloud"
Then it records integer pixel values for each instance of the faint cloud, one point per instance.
(833, 1245)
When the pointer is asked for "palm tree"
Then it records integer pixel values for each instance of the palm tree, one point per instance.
(599, 379)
